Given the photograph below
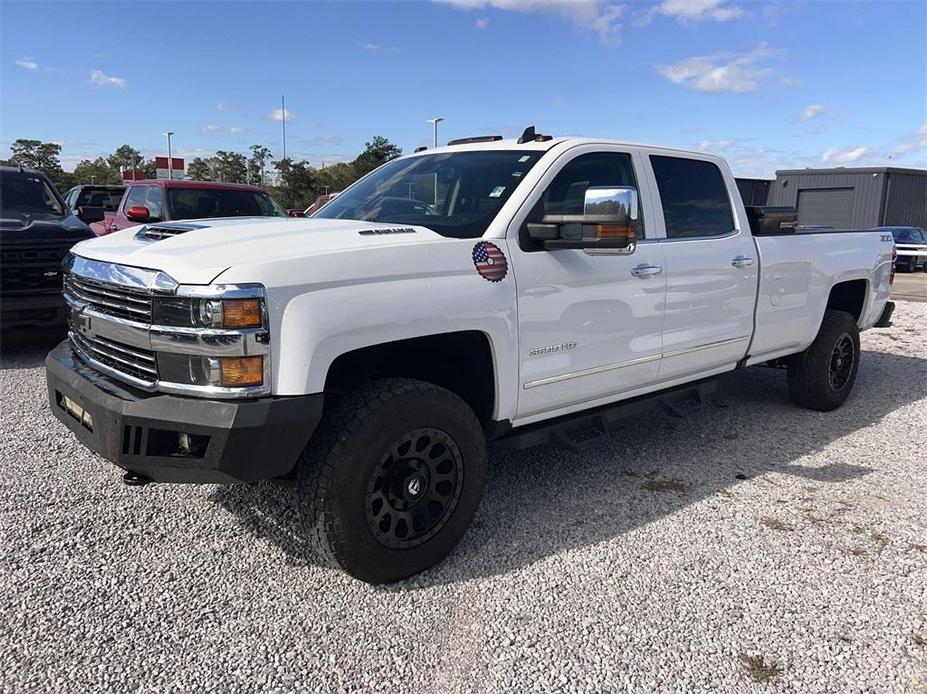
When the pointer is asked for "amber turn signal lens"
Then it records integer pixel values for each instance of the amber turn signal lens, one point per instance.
(242, 313)
(242, 371)
(614, 231)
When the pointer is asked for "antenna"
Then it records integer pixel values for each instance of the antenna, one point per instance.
(527, 136)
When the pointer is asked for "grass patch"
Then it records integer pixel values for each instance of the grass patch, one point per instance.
(758, 669)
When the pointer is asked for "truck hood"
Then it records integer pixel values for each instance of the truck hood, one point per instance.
(200, 250)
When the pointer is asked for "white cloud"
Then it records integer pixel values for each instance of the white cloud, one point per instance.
(380, 48)
(843, 156)
(235, 130)
(721, 72)
(789, 82)
(101, 79)
(222, 105)
(911, 143)
(279, 114)
(599, 16)
(810, 112)
(27, 64)
(700, 10)
(210, 129)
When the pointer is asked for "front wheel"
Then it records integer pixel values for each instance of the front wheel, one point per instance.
(392, 479)
(821, 377)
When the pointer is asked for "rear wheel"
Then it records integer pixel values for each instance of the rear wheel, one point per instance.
(392, 479)
(821, 377)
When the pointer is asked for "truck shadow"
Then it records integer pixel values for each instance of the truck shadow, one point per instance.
(546, 500)
(26, 349)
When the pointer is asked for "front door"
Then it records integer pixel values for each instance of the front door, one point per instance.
(589, 322)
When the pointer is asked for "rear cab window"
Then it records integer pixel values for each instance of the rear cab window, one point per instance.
(694, 197)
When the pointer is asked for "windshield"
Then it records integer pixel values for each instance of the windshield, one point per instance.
(455, 194)
(28, 194)
(107, 198)
(203, 203)
(906, 235)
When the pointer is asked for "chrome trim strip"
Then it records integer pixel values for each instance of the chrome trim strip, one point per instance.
(224, 291)
(590, 372)
(631, 362)
(216, 344)
(124, 275)
(707, 345)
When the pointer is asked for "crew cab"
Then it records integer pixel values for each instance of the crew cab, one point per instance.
(491, 292)
(163, 200)
(36, 232)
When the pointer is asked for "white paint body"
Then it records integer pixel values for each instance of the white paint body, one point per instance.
(331, 291)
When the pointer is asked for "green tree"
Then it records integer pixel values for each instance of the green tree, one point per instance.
(337, 177)
(199, 169)
(125, 157)
(298, 183)
(376, 152)
(257, 162)
(98, 170)
(229, 167)
(41, 156)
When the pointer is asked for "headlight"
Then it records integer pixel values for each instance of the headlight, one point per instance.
(197, 370)
(190, 312)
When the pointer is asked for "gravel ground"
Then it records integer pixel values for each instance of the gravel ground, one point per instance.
(752, 546)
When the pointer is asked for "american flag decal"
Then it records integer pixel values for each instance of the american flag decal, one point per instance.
(489, 261)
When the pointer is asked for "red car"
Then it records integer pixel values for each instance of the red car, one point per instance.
(163, 200)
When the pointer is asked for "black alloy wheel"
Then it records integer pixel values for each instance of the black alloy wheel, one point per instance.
(415, 488)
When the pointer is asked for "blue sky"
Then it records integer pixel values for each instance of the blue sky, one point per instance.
(768, 84)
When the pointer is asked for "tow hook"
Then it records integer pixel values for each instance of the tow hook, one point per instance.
(130, 479)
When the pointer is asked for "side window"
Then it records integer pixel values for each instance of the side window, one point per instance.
(694, 197)
(153, 202)
(135, 198)
(566, 194)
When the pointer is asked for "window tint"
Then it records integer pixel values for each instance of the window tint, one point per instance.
(135, 198)
(202, 203)
(694, 197)
(107, 198)
(153, 202)
(24, 193)
(566, 194)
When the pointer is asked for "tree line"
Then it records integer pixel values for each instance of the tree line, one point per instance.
(291, 183)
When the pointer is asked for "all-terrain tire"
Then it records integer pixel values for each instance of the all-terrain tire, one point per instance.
(372, 447)
(821, 377)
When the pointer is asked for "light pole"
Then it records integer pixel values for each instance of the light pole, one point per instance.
(434, 122)
(170, 160)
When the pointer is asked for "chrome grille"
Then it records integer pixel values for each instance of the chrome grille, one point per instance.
(127, 360)
(111, 299)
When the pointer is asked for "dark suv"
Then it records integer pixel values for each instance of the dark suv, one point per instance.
(105, 196)
(36, 231)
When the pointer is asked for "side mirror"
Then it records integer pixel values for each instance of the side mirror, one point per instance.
(89, 214)
(138, 214)
(609, 221)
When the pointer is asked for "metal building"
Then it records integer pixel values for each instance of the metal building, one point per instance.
(854, 198)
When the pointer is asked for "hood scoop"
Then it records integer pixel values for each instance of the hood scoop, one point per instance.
(159, 232)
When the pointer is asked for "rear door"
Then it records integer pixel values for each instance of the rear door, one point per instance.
(711, 268)
(589, 321)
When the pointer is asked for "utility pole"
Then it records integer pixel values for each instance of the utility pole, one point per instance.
(170, 159)
(434, 122)
(283, 120)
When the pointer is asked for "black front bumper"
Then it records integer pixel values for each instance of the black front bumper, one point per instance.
(32, 310)
(225, 440)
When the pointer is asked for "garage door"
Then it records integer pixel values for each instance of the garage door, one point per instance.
(830, 206)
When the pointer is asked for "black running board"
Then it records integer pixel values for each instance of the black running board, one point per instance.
(583, 429)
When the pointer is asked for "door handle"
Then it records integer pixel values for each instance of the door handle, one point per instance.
(742, 261)
(646, 270)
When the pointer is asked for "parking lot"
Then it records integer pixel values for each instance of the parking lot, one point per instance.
(752, 546)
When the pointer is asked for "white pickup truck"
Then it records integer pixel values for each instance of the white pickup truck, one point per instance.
(487, 292)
